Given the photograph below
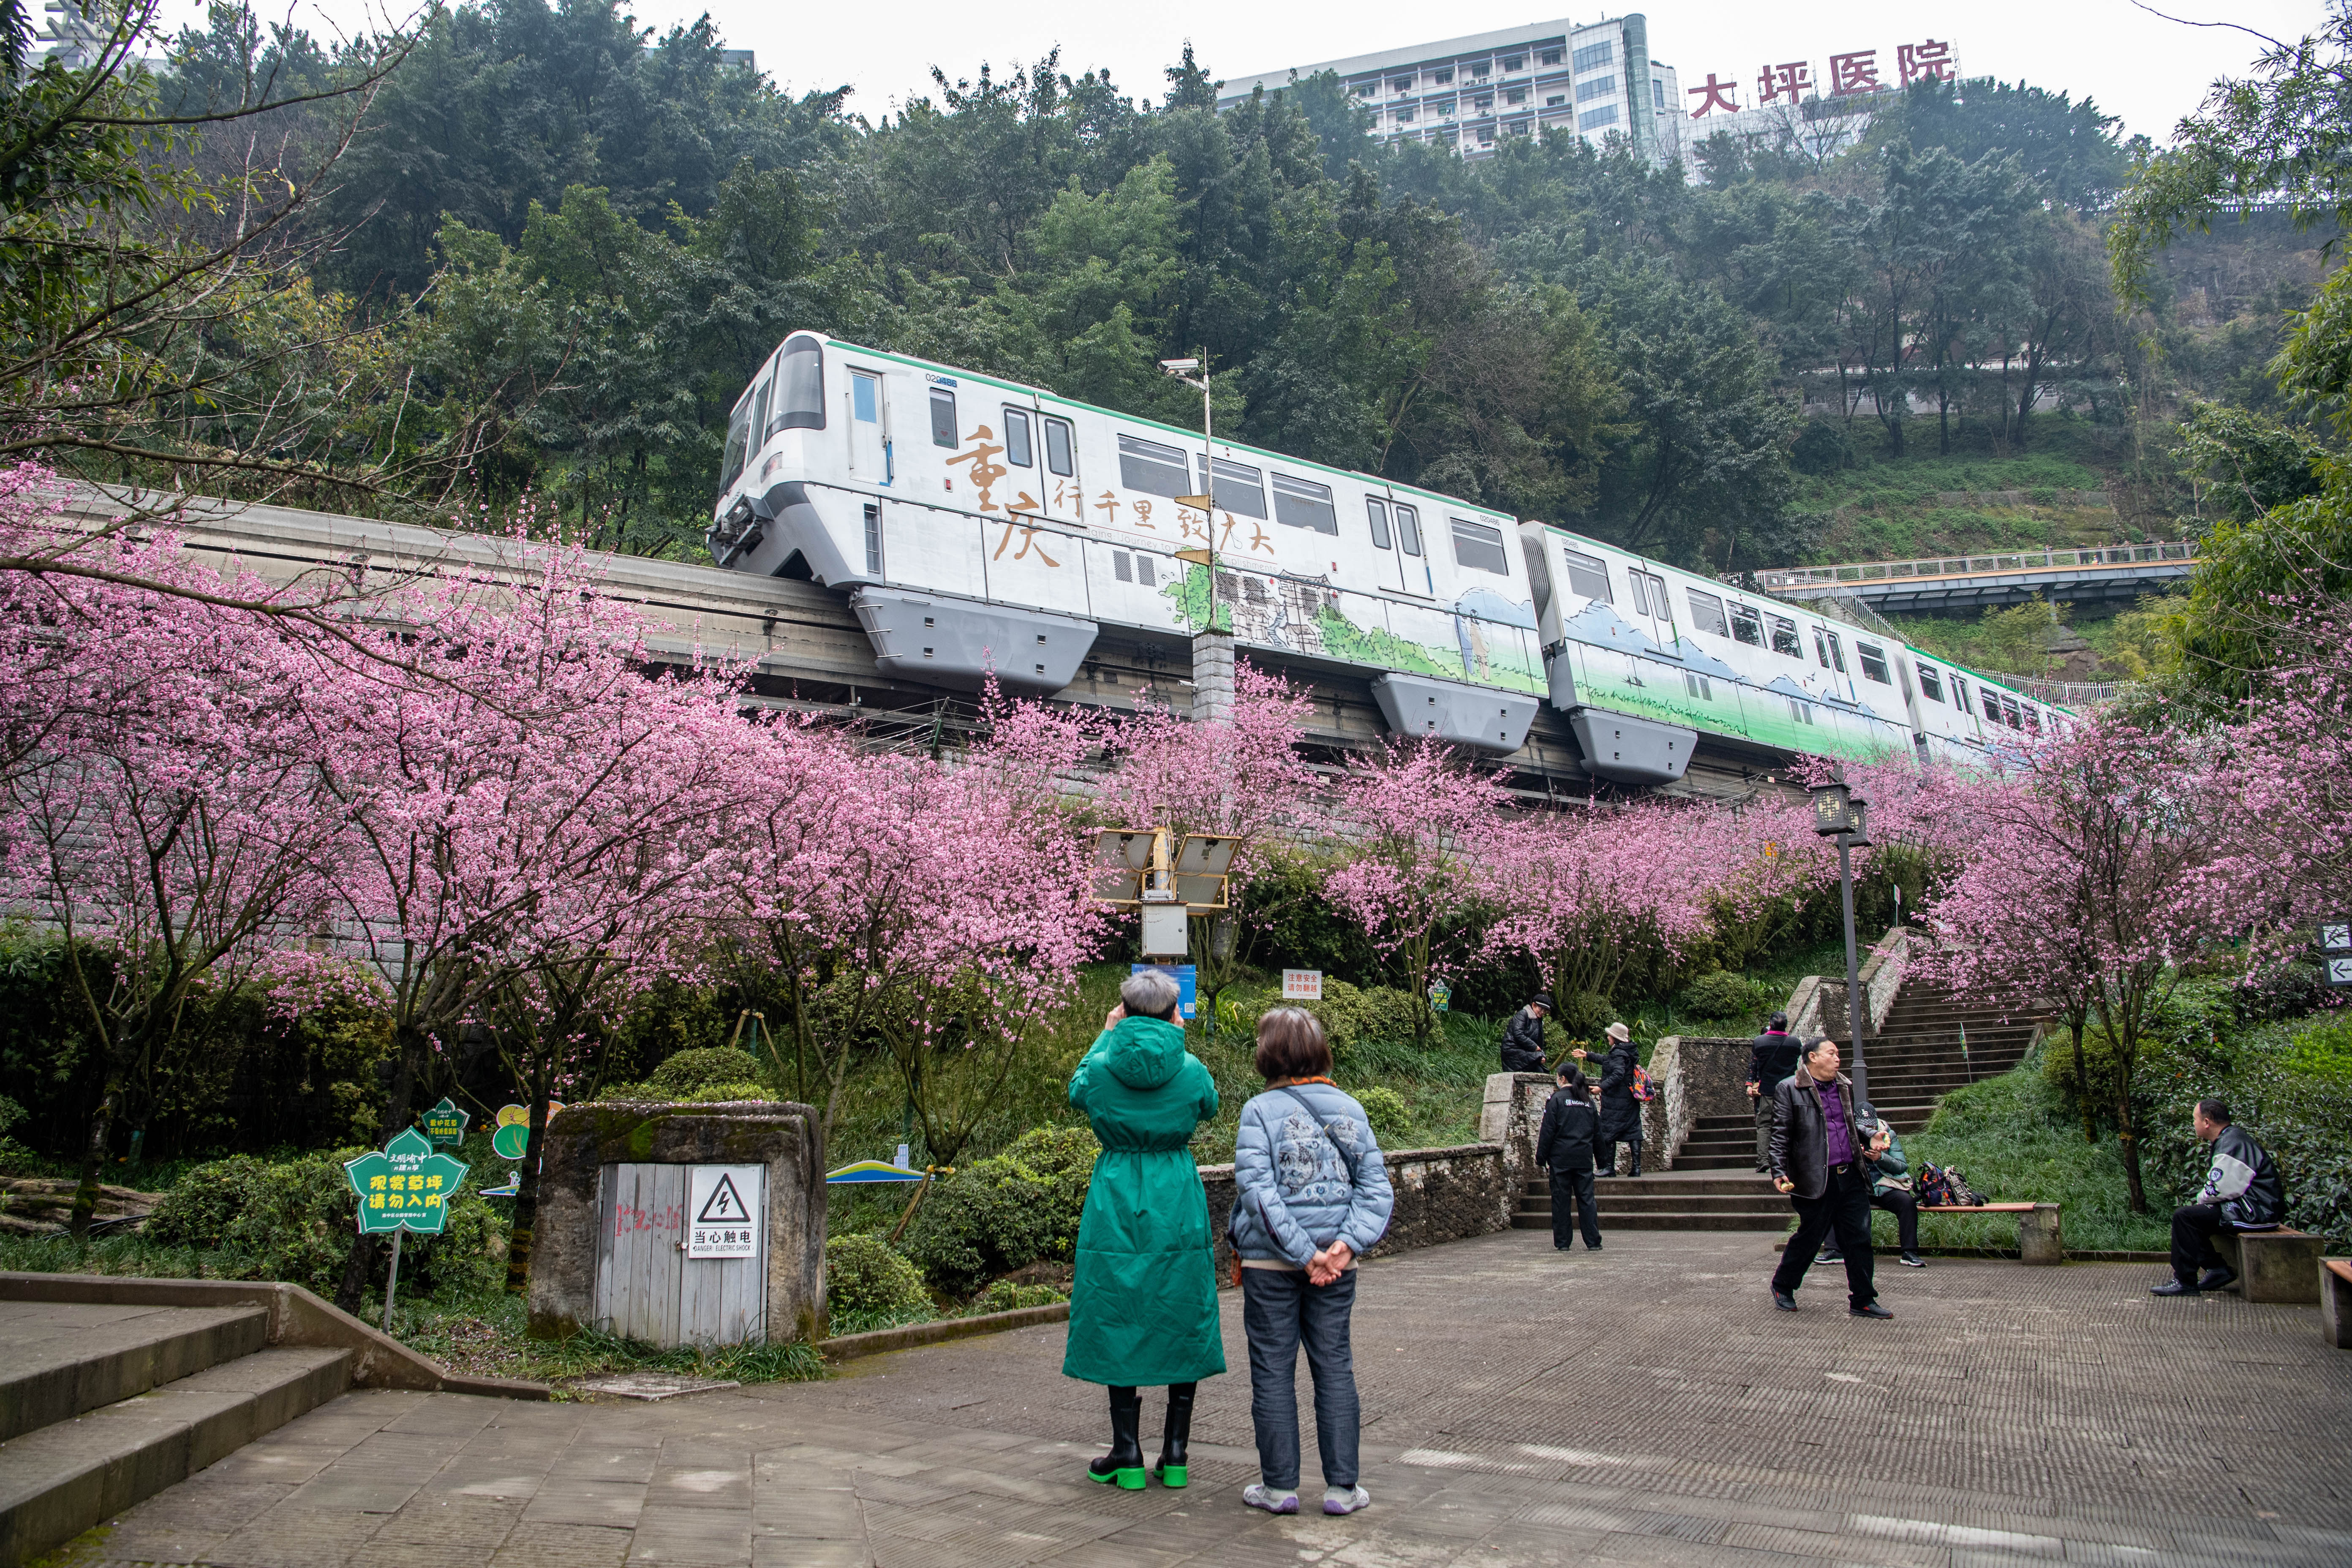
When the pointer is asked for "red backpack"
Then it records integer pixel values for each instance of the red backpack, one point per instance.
(1644, 1086)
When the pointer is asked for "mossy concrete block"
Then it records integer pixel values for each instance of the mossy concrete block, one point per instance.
(785, 1137)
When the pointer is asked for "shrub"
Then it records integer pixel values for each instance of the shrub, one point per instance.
(689, 1072)
(1584, 1015)
(292, 1220)
(1004, 1296)
(1005, 1212)
(867, 1274)
(1721, 995)
(1385, 1109)
(721, 1093)
(13, 1155)
(2323, 1051)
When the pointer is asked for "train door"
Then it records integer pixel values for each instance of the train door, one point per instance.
(1418, 577)
(1381, 518)
(1653, 612)
(1064, 491)
(869, 441)
(1829, 654)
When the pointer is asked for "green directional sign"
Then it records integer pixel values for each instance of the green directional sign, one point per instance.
(445, 1123)
(407, 1186)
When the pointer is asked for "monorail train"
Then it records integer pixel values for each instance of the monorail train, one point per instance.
(981, 526)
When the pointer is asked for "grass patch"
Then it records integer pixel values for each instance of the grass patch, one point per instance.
(2017, 1142)
(483, 1334)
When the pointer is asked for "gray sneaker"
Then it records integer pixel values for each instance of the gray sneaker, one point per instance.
(1258, 1495)
(1345, 1499)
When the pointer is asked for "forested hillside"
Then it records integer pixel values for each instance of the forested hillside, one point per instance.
(540, 250)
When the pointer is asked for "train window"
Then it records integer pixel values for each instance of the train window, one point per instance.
(1242, 489)
(759, 412)
(1640, 591)
(1802, 713)
(738, 429)
(1931, 683)
(1707, 614)
(1699, 686)
(1747, 625)
(943, 418)
(873, 540)
(1837, 654)
(1378, 513)
(1873, 663)
(1480, 548)
(1016, 439)
(1155, 469)
(1409, 528)
(1303, 505)
(865, 397)
(1959, 694)
(1060, 457)
(2009, 713)
(2033, 719)
(1784, 637)
(800, 388)
(1821, 648)
(1587, 575)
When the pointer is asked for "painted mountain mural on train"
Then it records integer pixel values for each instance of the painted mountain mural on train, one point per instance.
(1619, 666)
(1485, 638)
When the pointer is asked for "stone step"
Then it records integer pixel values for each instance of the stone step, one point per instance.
(1745, 1160)
(61, 1479)
(1609, 1221)
(1675, 1202)
(68, 1358)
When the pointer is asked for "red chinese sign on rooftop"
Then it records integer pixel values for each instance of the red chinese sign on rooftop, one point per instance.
(1853, 73)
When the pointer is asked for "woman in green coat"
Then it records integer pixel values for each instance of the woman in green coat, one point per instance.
(1143, 1308)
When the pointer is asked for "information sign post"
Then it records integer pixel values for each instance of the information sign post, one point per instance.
(2335, 950)
(406, 1186)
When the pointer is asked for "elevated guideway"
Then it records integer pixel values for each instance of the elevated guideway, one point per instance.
(1944, 584)
(807, 649)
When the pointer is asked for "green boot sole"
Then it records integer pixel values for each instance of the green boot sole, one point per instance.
(1131, 1480)
(1174, 1475)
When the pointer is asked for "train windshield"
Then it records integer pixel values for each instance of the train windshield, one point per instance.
(739, 430)
(800, 388)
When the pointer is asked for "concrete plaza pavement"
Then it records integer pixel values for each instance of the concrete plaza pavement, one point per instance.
(1642, 1405)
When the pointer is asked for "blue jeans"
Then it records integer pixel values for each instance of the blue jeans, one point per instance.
(1280, 1311)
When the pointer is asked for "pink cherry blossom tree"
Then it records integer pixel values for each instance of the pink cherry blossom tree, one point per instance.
(1414, 824)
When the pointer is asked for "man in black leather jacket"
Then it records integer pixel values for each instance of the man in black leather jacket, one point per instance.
(1523, 1041)
(1821, 1154)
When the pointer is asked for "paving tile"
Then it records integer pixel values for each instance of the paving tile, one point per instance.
(605, 1504)
(548, 1545)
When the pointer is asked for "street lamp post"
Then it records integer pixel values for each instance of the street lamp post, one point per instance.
(1839, 814)
(1212, 646)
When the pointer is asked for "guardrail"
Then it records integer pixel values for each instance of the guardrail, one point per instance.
(1970, 565)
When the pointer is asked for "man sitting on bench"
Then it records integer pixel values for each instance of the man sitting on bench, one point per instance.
(2242, 1191)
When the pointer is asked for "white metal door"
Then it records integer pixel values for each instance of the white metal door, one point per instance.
(1381, 519)
(868, 459)
(646, 1286)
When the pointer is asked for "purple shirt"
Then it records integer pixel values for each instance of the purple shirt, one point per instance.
(1840, 1141)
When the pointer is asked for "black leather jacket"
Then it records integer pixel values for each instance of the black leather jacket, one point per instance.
(1799, 1147)
(1523, 1044)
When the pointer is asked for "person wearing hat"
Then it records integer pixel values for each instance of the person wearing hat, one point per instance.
(1771, 1056)
(1621, 1113)
(1523, 1041)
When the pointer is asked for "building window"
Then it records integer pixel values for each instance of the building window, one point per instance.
(1599, 86)
(1443, 79)
(1555, 100)
(1549, 57)
(1604, 115)
(1478, 70)
(1404, 117)
(1515, 95)
(1486, 136)
(1699, 686)
(1400, 84)
(1366, 89)
(1480, 548)
(1484, 105)
(1873, 663)
(1707, 614)
(1587, 575)
(1515, 62)
(1593, 57)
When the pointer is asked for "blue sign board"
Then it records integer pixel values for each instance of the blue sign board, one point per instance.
(1183, 974)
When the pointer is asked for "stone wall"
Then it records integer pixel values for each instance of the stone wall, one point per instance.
(783, 1136)
(1441, 1194)
(1697, 1074)
(1817, 1005)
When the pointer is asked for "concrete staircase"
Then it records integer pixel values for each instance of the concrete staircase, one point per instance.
(1930, 1044)
(1670, 1199)
(104, 1404)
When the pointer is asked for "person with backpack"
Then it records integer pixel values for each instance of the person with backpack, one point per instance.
(1310, 1197)
(1564, 1147)
(1143, 1304)
(1771, 1056)
(2242, 1191)
(1890, 1189)
(1621, 1110)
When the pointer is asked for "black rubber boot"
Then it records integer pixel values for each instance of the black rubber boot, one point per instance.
(1637, 1160)
(1124, 1463)
(1171, 1469)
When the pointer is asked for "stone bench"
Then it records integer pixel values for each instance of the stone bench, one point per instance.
(2279, 1265)
(2039, 1239)
(2336, 1302)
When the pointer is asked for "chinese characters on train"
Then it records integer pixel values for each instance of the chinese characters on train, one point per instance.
(1022, 538)
(1858, 71)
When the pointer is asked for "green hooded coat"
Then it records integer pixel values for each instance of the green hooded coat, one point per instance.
(1143, 1308)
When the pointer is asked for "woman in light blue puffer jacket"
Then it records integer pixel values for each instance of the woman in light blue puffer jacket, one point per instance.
(1310, 1197)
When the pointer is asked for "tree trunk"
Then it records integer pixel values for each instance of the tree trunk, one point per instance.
(526, 1209)
(2129, 1140)
(2082, 1087)
(93, 1159)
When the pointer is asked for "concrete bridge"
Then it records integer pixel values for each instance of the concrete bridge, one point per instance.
(1942, 585)
(808, 652)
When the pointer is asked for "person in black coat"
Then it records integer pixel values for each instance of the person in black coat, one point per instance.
(1564, 1147)
(1523, 1039)
(1770, 1057)
(1621, 1113)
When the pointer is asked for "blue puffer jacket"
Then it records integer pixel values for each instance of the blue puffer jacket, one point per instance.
(1291, 1194)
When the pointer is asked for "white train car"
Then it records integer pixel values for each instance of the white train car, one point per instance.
(983, 527)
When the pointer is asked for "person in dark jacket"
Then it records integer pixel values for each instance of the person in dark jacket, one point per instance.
(1564, 1147)
(1770, 1057)
(1523, 1041)
(1621, 1113)
(1821, 1158)
(2242, 1191)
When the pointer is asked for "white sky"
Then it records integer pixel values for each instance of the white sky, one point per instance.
(2148, 70)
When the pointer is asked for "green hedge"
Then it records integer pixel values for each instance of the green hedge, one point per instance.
(1005, 1212)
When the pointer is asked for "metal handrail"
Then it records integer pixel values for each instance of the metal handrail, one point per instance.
(1963, 565)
